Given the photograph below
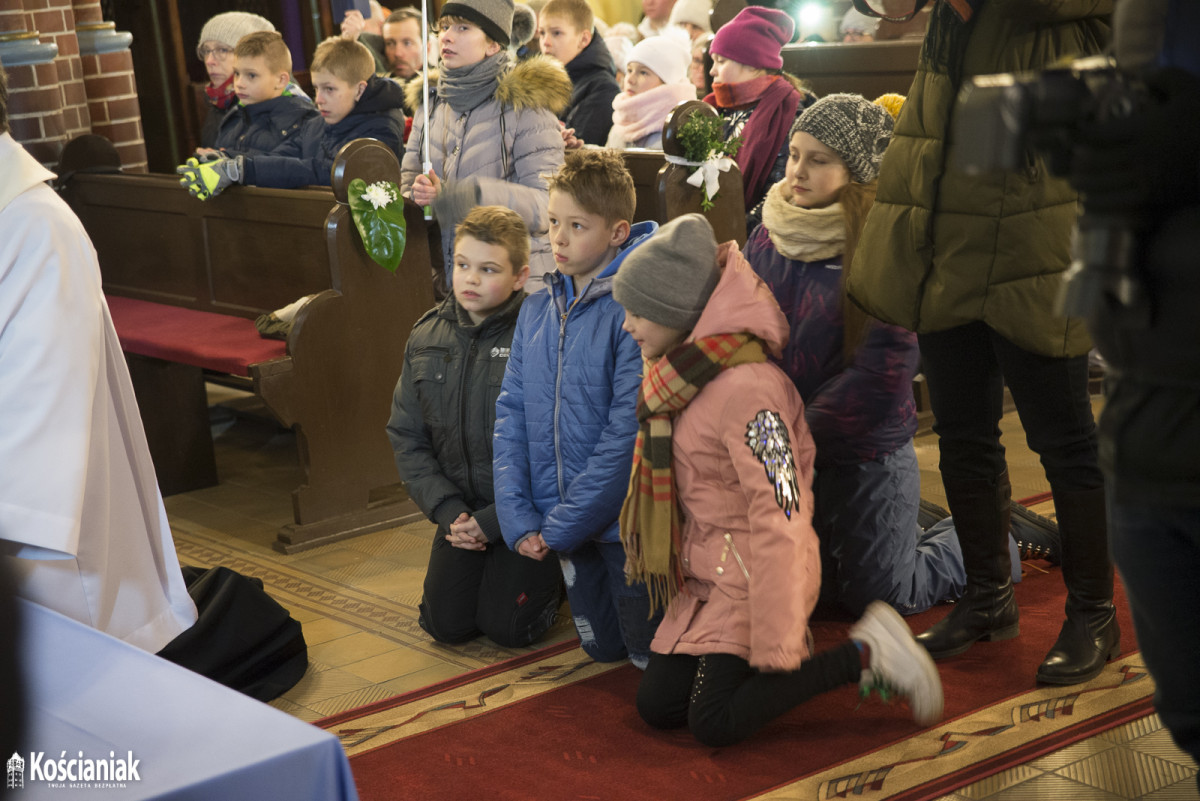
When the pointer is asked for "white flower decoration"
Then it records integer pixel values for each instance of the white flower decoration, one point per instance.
(379, 194)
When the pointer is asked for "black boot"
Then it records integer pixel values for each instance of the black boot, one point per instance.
(987, 610)
(1090, 636)
(1037, 537)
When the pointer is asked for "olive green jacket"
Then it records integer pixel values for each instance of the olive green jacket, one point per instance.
(941, 248)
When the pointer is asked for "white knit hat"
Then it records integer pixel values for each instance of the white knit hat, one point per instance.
(667, 55)
(227, 28)
(694, 11)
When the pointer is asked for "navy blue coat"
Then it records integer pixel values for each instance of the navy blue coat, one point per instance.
(307, 158)
(265, 127)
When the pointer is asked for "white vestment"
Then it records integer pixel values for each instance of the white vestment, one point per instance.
(82, 523)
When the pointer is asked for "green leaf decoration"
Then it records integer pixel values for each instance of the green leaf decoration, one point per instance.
(382, 227)
(702, 138)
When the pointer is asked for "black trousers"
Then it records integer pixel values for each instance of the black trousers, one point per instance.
(967, 368)
(723, 700)
(510, 598)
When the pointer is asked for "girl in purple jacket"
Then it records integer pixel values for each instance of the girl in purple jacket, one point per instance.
(854, 374)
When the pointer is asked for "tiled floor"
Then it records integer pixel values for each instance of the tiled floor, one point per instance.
(357, 600)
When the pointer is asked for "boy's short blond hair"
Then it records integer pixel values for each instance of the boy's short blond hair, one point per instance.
(347, 60)
(578, 12)
(599, 182)
(268, 45)
(497, 225)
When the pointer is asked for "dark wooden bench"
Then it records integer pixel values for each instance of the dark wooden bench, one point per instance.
(185, 280)
(866, 68)
(662, 189)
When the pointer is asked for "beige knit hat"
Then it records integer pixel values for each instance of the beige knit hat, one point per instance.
(227, 28)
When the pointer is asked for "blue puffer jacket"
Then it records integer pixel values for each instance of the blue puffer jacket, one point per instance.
(566, 418)
(307, 158)
(265, 127)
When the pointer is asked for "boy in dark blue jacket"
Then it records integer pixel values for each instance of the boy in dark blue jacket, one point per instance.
(270, 110)
(353, 104)
(443, 413)
(566, 417)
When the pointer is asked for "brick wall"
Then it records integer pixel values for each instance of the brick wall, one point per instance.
(35, 96)
(54, 20)
(112, 91)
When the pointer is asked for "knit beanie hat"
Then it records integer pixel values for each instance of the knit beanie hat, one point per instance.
(227, 28)
(754, 37)
(493, 16)
(891, 102)
(694, 11)
(669, 278)
(851, 126)
(667, 55)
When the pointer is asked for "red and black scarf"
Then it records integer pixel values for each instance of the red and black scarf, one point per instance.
(223, 96)
(650, 526)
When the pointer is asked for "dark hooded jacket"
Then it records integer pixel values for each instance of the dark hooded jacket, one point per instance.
(265, 127)
(307, 158)
(594, 82)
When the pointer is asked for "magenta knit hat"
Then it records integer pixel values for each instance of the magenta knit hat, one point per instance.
(754, 37)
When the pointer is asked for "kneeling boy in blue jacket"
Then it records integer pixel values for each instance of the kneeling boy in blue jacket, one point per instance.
(566, 417)
(353, 103)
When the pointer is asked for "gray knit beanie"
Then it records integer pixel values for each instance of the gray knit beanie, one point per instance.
(669, 278)
(495, 17)
(851, 126)
(227, 28)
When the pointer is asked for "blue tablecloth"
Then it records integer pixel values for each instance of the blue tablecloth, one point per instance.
(191, 738)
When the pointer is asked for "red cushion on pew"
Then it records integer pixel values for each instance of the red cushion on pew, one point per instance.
(202, 339)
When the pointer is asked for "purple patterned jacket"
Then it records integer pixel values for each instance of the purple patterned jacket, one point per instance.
(856, 413)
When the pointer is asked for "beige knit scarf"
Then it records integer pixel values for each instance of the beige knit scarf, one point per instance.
(803, 234)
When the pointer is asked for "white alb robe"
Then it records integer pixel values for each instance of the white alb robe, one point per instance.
(82, 522)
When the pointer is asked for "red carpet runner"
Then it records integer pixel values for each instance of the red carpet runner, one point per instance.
(585, 740)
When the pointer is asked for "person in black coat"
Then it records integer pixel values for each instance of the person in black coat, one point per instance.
(567, 32)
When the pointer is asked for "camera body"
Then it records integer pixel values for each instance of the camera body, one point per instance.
(1002, 121)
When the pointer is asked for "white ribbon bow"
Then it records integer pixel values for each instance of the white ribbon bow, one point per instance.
(708, 172)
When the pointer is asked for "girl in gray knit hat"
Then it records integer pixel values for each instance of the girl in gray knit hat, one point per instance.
(854, 374)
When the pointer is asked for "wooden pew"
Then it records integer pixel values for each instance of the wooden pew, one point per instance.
(185, 280)
(662, 189)
(866, 68)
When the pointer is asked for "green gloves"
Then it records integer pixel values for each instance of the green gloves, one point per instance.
(210, 178)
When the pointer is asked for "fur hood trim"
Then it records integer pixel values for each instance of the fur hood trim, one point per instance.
(537, 82)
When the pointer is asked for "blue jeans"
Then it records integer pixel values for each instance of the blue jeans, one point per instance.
(871, 545)
(1157, 550)
(612, 617)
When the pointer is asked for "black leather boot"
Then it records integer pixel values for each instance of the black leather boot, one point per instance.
(1090, 635)
(987, 610)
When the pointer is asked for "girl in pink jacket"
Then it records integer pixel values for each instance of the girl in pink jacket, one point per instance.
(718, 519)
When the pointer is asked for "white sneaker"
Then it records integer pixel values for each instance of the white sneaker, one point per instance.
(898, 663)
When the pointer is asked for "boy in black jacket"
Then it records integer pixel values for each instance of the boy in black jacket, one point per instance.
(270, 108)
(567, 32)
(353, 103)
(443, 414)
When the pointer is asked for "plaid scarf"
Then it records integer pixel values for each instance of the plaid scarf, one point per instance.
(650, 529)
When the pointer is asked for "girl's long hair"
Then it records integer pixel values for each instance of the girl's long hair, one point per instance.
(856, 200)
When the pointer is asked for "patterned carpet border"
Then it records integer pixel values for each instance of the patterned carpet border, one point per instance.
(982, 743)
(447, 685)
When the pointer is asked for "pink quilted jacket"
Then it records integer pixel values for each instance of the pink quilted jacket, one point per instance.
(752, 571)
